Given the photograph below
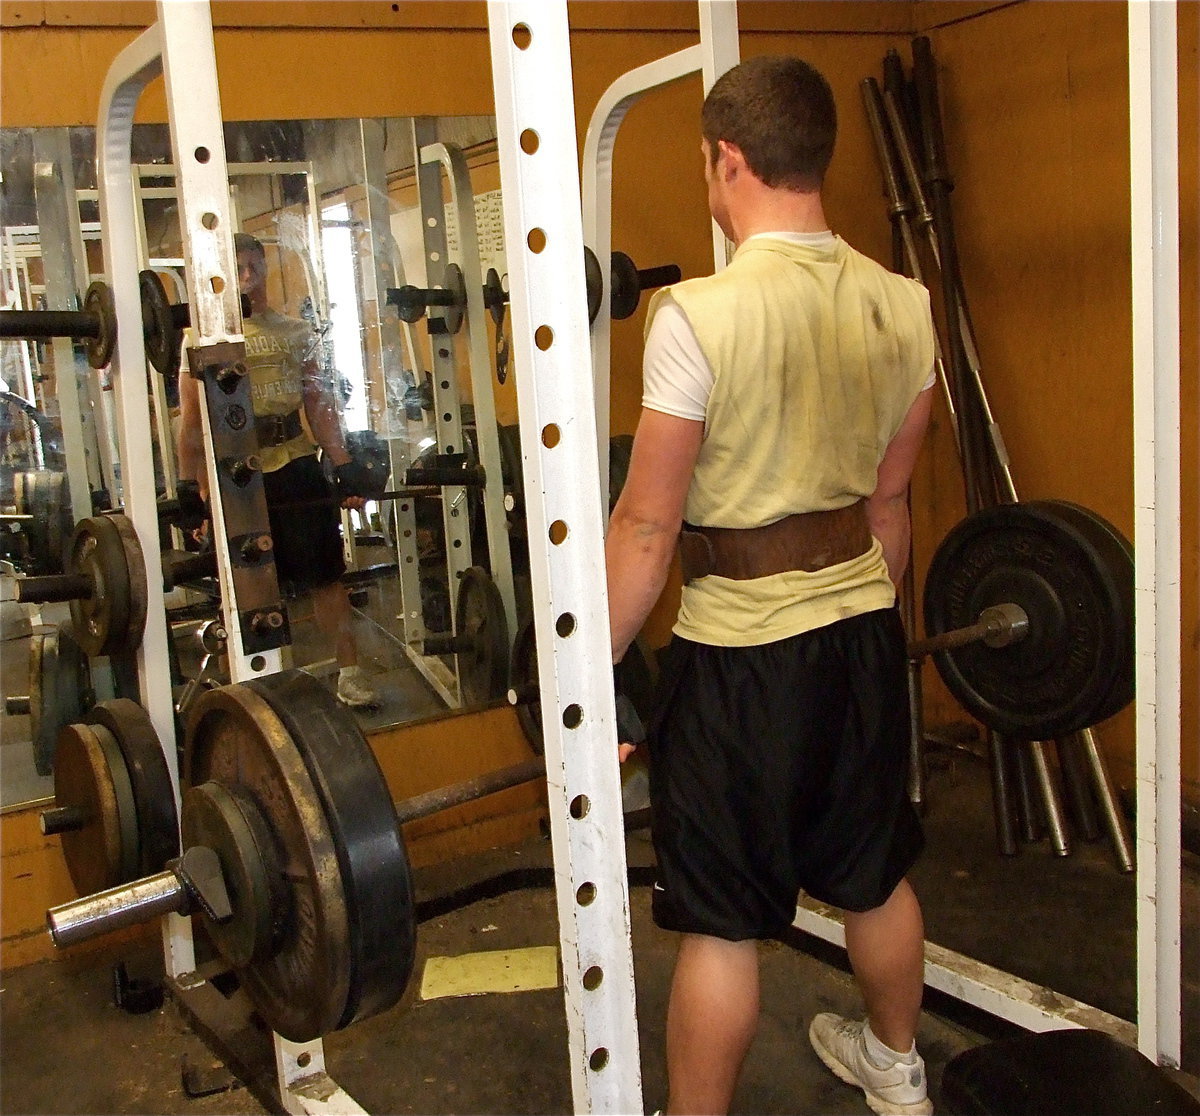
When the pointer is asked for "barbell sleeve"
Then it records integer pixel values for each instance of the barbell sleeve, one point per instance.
(52, 587)
(997, 626)
(44, 324)
(117, 908)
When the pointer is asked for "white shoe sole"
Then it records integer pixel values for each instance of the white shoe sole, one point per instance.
(877, 1104)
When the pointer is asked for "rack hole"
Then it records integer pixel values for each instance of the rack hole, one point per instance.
(551, 435)
(593, 977)
(536, 240)
(599, 1059)
(257, 663)
(304, 1059)
(580, 805)
(530, 141)
(202, 154)
(558, 532)
(585, 894)
(564, 625)
(572, 716)
(522, 36)
(209, 221)
(217, 284)
(543, 337)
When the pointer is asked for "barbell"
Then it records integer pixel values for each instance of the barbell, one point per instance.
(292, 857)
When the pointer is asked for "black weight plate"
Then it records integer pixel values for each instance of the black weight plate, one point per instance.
(512, 469)
(1117, 554)
(479, 618)
(161, 338)
(236, 739)
(593, 280)
(620, 452)
(1056, 679)
(625, 290)
(98, 300)
(524, 672)
(362, 819)
(111, 621)
(153, 787)
(59, 690)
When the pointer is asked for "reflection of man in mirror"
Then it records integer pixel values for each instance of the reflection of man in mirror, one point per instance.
(294, 413)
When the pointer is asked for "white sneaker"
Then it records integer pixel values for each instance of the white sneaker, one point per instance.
(355, 690)
(898, 1089)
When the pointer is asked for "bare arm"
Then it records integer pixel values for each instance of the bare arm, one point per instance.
(645, 523)
(887, 507)
(191, 434)
(323, 418)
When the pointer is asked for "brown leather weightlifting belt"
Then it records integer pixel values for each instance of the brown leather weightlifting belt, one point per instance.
(274, 430)
(808, 541)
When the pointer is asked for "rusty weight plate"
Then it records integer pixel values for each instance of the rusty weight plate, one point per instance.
(235, 739)
(90, 775)
(149, 778)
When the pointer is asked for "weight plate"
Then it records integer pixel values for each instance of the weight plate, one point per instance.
(452, 280)
(620, 452)
(231, 825)
(524, 673)
(1117, 553)
(512, 470)
(59, 690)
(236, 739)
(111, 621)
(1077, 592)
(625, 290)
(480, 619)
(634, 677)
(362, 819)
(149, 778)
(45, 496)
(90, 774)
(593, 280)
(162, 339)
(98, 300)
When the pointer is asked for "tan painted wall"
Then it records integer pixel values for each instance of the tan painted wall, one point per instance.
(1035, 100)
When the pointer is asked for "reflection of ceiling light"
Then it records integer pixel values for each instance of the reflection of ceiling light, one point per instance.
(425, 443)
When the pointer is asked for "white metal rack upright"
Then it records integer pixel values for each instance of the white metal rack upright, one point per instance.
(539, 176)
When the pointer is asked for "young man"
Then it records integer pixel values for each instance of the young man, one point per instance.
(293, 409)
(785, 400)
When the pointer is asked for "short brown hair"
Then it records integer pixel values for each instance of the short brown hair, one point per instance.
(244, 242)
(780, 112)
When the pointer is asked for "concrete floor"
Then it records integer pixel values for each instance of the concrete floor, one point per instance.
(1067, 922)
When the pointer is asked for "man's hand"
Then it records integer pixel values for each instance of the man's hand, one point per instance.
(352, 479)
(630, 730)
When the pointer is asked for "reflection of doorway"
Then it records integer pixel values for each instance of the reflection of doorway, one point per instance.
(337, 248)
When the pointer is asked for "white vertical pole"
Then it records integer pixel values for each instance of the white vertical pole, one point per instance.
(531, 69)
(719, 41)
(1154, 227)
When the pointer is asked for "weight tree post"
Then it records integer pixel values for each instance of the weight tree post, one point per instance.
(531, 69)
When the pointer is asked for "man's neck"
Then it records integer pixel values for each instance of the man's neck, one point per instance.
(779, 211)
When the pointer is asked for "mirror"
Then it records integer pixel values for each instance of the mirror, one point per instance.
(364, 225)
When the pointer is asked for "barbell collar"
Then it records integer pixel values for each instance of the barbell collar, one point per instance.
(18, 706)
(117, 908)
(997, 626)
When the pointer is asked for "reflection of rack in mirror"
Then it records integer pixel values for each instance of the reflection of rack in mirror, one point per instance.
(336, 207)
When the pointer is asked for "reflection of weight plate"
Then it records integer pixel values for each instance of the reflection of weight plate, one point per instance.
(45, 496)
(163, 340)
(480, 620)
(1072, 573)
(59, 690)
(112, 619)
(99, 301)
(296, 767)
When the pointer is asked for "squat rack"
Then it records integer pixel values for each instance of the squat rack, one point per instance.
(531, 67)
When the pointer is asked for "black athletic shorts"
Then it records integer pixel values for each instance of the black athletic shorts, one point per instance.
(777, 769)
(308, 537)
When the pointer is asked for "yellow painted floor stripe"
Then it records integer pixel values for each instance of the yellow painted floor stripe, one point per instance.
(474, 974)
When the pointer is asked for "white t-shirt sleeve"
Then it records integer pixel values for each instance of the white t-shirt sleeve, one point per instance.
(676, 377)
